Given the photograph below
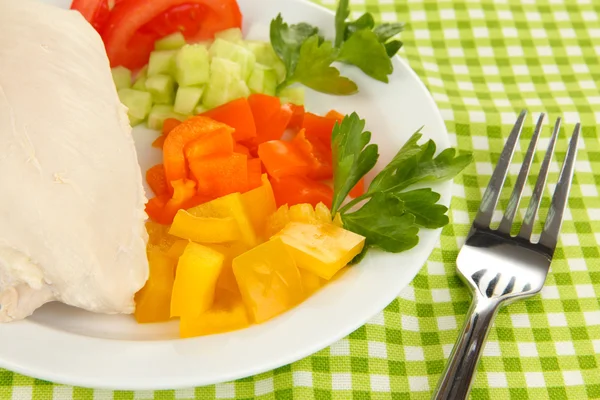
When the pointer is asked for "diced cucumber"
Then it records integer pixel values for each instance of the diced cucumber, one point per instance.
(121, 77)
(236, 53)
(263, 80)
(231, 35)
(294, 95)
(162, 88)
(161, 62)
(192, 65)
(187, 99)
(135, 121)
(140, 79)
(159, 113)
(225, 83)
(172, 42)
(139, 103)
(200, 109)
(265, 55)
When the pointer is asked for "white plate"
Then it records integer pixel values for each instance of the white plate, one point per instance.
(71, 346)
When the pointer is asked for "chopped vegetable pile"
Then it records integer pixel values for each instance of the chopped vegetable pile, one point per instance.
(258, 202)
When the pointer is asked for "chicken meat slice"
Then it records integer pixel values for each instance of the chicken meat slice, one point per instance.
(72, 202)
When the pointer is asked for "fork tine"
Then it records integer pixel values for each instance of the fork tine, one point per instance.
(538, 191)
(515, 196)
(492, 193)
(549, 236)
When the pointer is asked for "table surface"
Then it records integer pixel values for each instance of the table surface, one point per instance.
(483, 61)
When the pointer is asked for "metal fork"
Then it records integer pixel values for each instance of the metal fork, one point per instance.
(499, 267)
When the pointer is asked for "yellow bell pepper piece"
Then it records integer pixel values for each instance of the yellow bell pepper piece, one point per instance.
(260, 203)
(158, 236)
(277, 221)
(152, 302)
(323, 249)
(303, 213)
(204, 229)
(310, 282)
(226, 279)
(227, 314)
(230, 206)
(197, 272)
(177, 249)
(268, 279)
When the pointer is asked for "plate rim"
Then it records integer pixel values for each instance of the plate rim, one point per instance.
(196, 380)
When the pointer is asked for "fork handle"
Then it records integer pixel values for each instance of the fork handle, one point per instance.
(455, 383)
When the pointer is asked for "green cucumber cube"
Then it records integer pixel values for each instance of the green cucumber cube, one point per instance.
(265, 55)
(161, 62)
(236, 53)
(200, 110)
(294, 95)
(135, 121)
(231, 35)
(187, 98)
(162, 88)
(159, 113)
(225, 83)
(140, 79)
(172, 42)
(121, 77)
(138, 103)
(263, 80)
(192, 65)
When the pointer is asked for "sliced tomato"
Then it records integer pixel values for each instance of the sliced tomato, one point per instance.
(96, 12)
(293, 190)
(134, 25)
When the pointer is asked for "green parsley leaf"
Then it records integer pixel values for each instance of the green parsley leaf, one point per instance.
(365, 21)
(422, 203)
(315, 71)
(387, 215)
(363, 50)
(352, 156)
(385, 32)
(287, 41)
(415, 163)
(392, 47)
(342, 13)
(385, 223)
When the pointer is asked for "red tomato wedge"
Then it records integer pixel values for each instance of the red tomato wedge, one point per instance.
(96, 12)
(238, 115)
(134, 25)
(293, 190)
(270, 117)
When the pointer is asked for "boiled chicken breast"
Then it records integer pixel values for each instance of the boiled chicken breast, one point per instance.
(71, 202)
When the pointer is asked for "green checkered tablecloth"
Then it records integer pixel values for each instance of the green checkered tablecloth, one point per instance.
(483, 61)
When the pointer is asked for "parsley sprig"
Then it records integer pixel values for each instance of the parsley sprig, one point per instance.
(391, 211)
(309, 58)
